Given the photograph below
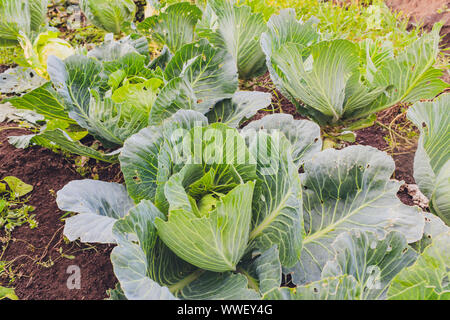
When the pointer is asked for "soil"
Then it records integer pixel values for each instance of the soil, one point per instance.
(3, 68)
(403, 157)
(42, 256)
(427, 12)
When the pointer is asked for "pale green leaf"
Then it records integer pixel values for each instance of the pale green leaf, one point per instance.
(17, 186)
(349, 189)
(371, 261)
(98, 204)
(428, 278)
(303, 135)
(109, 15)
(277, 216)
(242, 106)
(174, 27)
(336, 288)
(432, 160)
(237, 30)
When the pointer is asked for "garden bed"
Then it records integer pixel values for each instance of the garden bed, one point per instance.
(41, 257)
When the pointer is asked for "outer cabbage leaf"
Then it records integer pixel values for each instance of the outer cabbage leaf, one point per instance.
(19, 80)
(372, 262)
(349, 189)
(303, 135)
(428, 278)
(111, 50)
(43, 100)
(243, 105)
(99, 205)
(109, 15)
(284, 28)
(175, 26)
(237, 30)
(176, 95)
(433, 228)
(264, 272)
(147, 269)
(210, 72)
(432, 160)
(26, 16)
(336, 288)
(277, 200)
(59, 138)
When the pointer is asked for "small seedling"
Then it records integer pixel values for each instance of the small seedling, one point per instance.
(14, 212)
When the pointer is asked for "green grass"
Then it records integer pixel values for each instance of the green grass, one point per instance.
(8, 55)
(355, 21)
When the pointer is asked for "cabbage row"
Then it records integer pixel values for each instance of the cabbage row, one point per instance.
(215, 209)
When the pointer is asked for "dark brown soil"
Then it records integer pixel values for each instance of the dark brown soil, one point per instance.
(40, 268)
(3, 68)
(404, 161)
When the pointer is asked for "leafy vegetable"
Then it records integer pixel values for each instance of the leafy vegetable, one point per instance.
(198, 77)
(14, 212)
(237, 30)
(21, 16)
(325, 79)
(109, 15)
(46, 44)
(7, 293)
(89, 94)
(344, 190)
(202, 188)
(325, 227)
(432, 160)
(175, 26)
(427, 279)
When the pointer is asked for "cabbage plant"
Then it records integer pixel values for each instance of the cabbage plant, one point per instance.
(231, 28)
(87, 94)
(109, 15)
(238, 30)
(24, 23)
(209, 212)
(114, 90)
(338, 82)
(21, 16)
(432, 160)
(174, 27)
(45, 45)
(199, 206)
